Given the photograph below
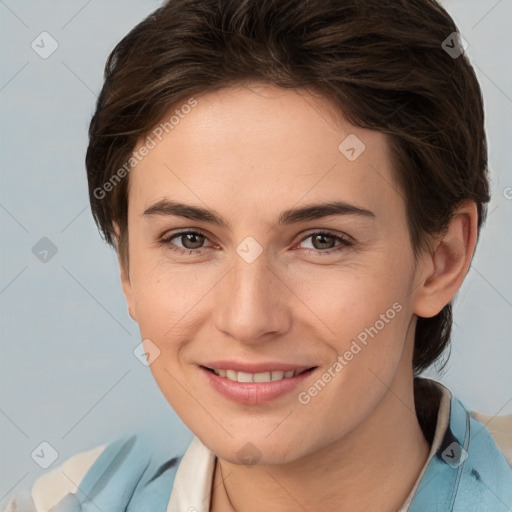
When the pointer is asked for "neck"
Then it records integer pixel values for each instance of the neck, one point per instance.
(376, 463)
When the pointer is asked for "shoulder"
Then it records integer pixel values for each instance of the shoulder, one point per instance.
(496, 430)
(470, 468)
(500, 428)
(484, 470)
(132, 469)
(54, 485)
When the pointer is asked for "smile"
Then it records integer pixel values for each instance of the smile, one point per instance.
(263, 384)
(256, 377)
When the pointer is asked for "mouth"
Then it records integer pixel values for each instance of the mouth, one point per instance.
(262, 384)
(267, 376)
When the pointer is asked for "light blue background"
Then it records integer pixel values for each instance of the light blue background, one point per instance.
(68, 373)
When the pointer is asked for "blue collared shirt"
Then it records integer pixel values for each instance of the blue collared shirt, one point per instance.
(465, 472)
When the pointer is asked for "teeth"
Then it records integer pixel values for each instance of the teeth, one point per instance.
(261, 377)
(255, 377)
(245, 377)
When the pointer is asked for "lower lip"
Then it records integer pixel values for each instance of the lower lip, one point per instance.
(254, 393)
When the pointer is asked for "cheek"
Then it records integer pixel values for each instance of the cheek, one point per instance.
(352, 298)
(168, 304)
(166, 297)
(365, 315)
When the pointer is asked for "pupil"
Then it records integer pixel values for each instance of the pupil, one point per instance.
(323, 238)
(189, 238)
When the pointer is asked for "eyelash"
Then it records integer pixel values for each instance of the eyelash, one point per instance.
(344, 243)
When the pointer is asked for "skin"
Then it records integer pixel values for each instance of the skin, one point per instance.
(248, 153)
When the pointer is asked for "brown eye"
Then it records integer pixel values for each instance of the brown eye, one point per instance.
(191, 240)
(323, 241)
(185, 242)
(326, 243)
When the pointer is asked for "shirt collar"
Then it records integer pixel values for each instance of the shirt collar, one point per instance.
(443, 420)
(192, 485)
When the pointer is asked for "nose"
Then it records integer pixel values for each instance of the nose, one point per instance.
(252, 304)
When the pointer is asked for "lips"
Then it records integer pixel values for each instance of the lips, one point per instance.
(251, 383)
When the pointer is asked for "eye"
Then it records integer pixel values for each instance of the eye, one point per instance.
(323, 242)
(191, 241)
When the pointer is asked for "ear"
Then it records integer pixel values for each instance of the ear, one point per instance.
(442, 271)
(124, 273)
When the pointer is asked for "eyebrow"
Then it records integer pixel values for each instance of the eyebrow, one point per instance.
(291, 216)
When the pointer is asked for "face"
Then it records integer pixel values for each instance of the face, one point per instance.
(246, 274)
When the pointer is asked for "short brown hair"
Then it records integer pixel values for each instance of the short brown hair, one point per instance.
(383, 63)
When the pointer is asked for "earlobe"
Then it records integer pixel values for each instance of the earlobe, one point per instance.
(444, 270)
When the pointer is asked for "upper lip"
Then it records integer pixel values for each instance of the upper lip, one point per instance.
(240, 366)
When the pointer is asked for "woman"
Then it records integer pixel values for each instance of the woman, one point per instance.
(295, 191)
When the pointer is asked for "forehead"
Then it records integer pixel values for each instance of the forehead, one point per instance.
(260, 148)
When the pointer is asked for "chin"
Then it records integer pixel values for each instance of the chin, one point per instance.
(257, 448)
